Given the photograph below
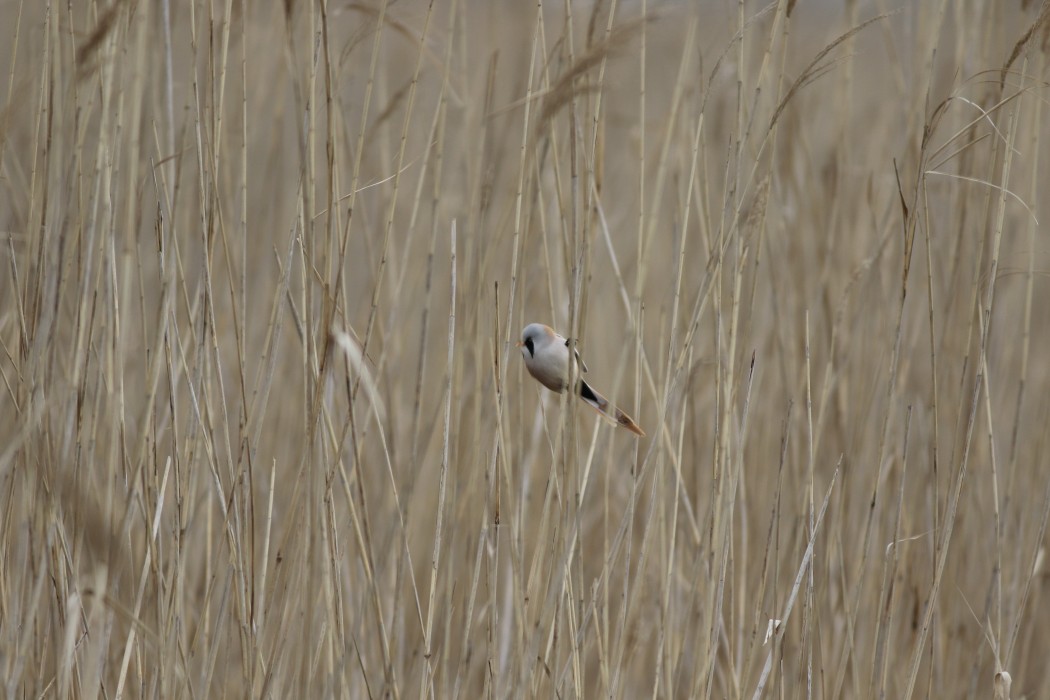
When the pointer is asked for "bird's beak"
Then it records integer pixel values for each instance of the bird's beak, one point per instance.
(518, 344)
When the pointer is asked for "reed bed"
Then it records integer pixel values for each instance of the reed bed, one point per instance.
(264, 431)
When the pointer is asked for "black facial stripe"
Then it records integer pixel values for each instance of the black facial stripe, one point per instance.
(529, 346)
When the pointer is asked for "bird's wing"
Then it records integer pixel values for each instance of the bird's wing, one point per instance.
(579, 360)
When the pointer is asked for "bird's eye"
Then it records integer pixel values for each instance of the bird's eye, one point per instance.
(529, 347)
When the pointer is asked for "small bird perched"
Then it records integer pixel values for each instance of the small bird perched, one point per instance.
(547, 358)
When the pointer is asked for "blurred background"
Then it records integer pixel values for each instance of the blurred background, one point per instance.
(264, 430)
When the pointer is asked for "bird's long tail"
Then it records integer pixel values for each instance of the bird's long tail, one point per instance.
(607, 410)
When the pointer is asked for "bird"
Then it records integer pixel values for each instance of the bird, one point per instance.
(546, 355)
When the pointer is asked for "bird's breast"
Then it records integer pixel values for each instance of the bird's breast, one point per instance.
(548, 374)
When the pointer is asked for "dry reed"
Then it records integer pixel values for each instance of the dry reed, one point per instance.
(799, 243)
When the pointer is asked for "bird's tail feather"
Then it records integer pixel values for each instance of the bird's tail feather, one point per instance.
(607, 411)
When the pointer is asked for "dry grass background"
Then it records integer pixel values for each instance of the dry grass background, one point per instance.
(263, 430)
